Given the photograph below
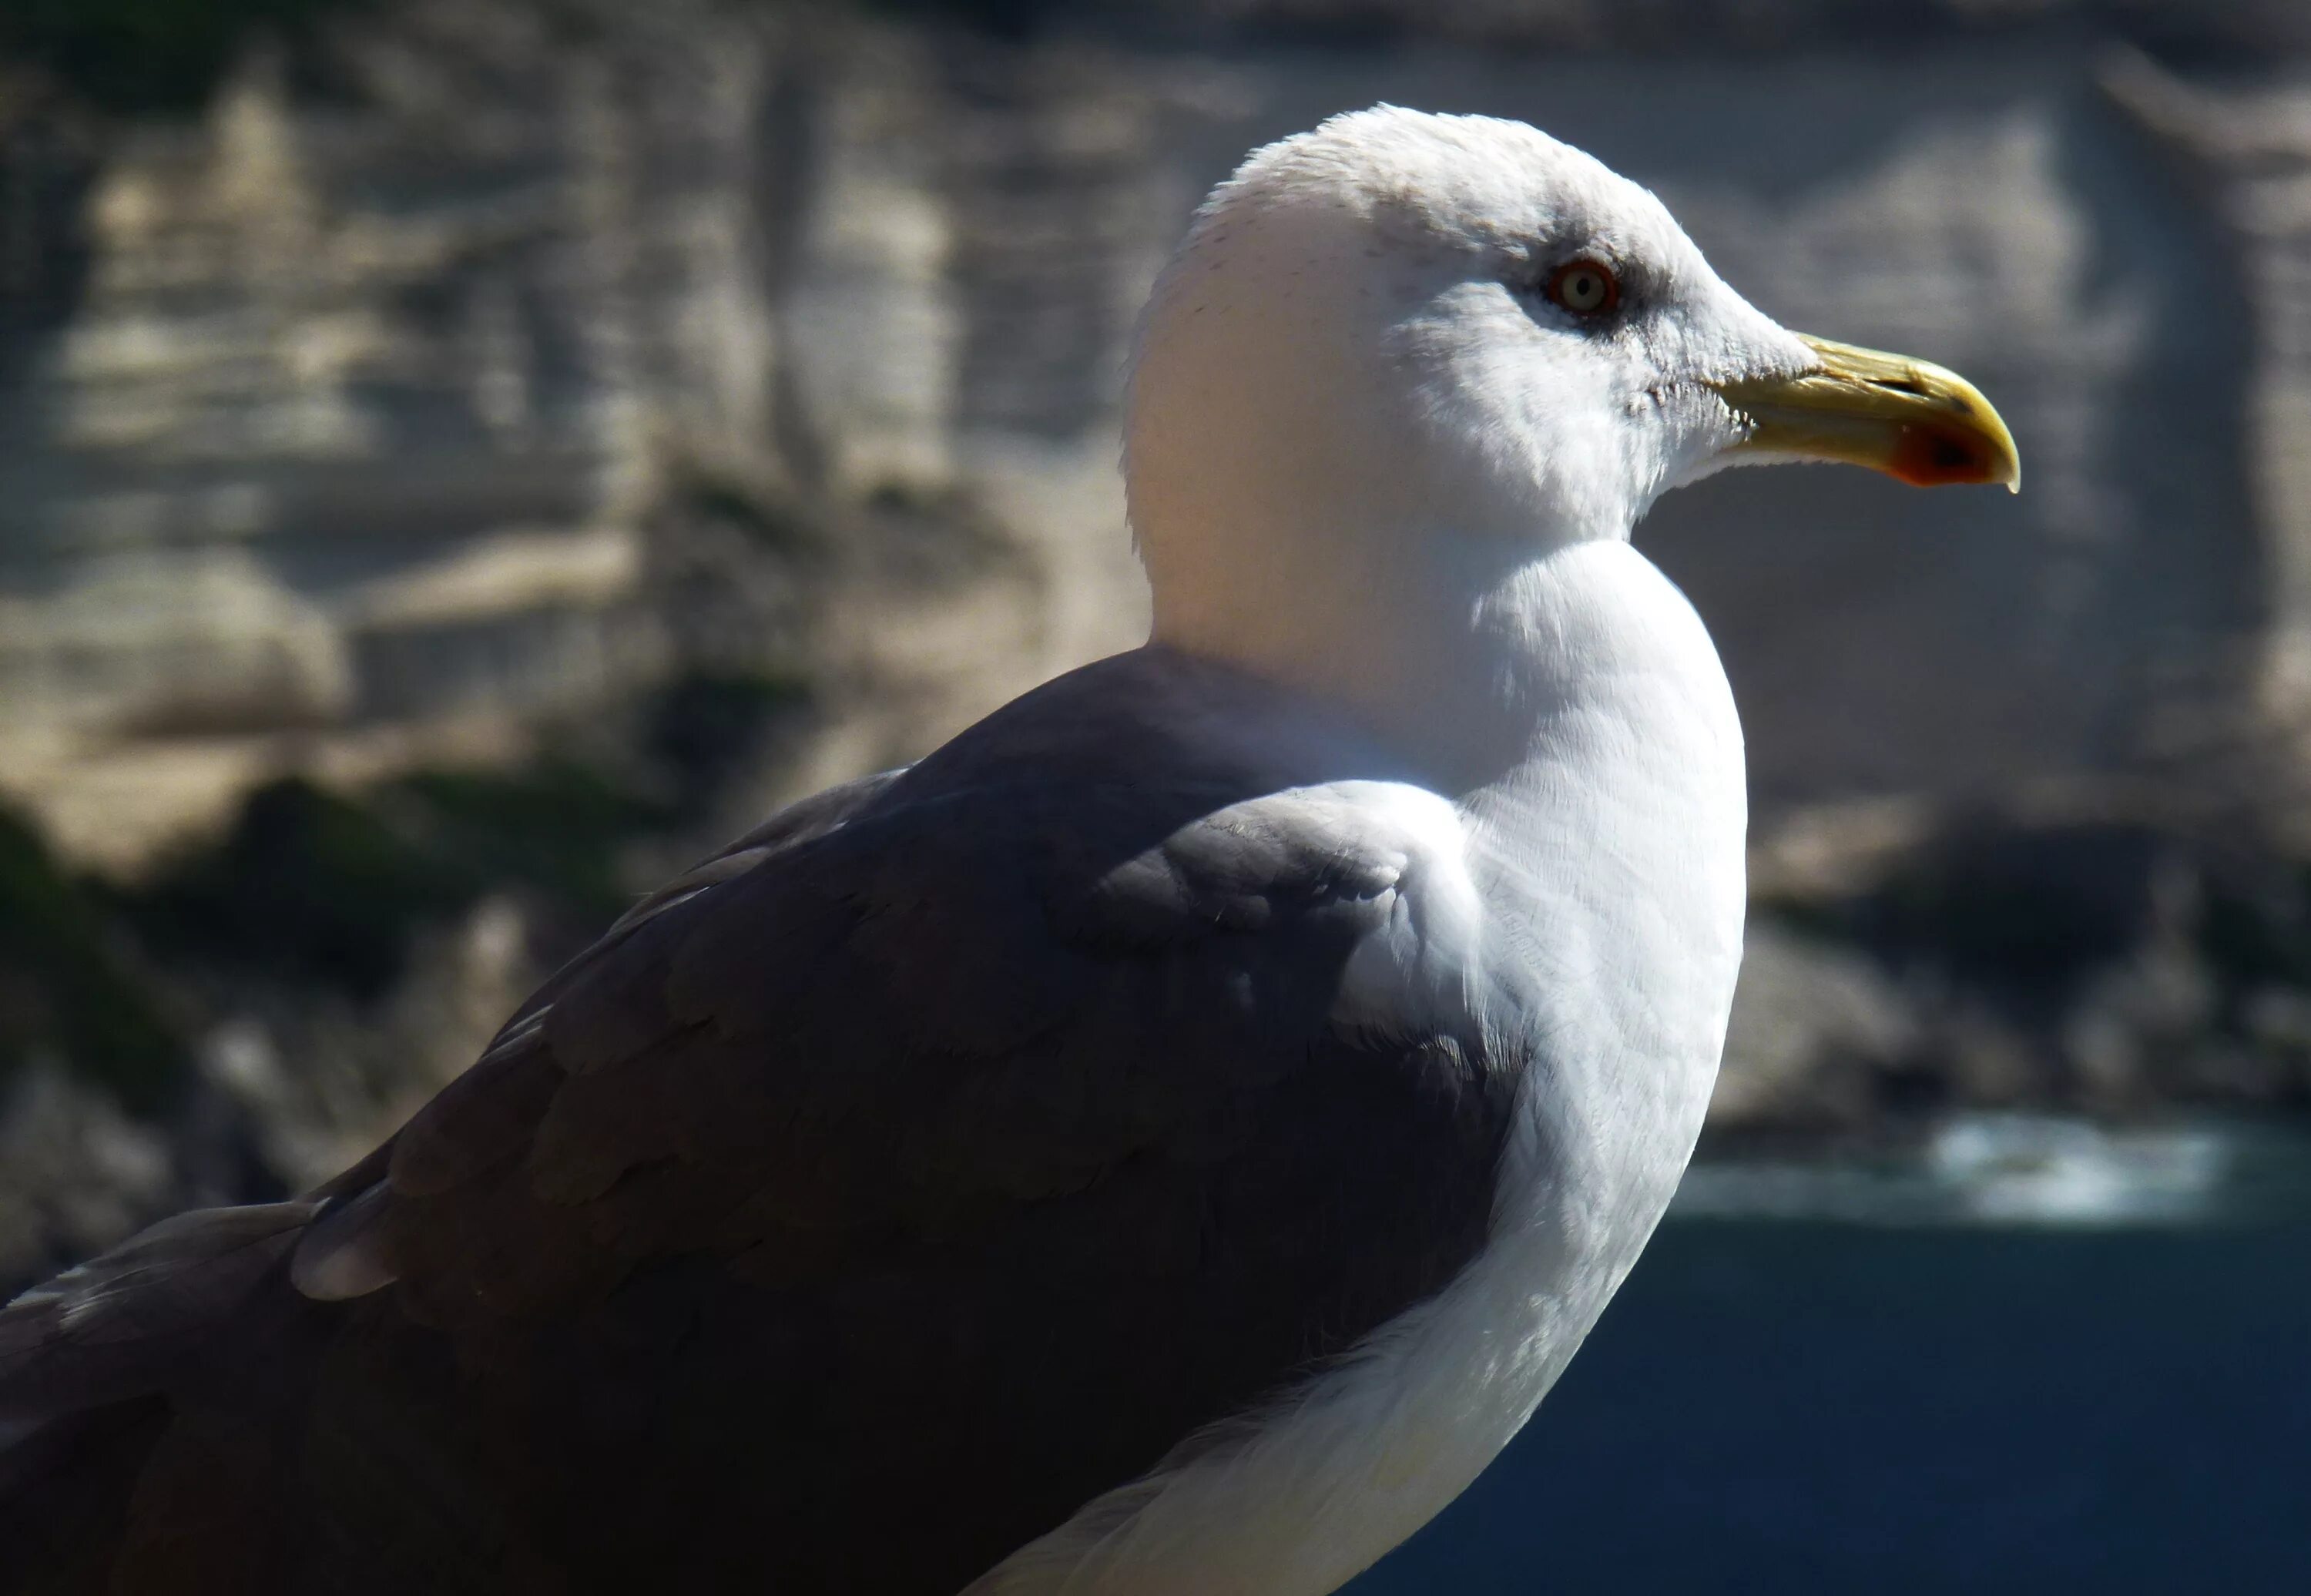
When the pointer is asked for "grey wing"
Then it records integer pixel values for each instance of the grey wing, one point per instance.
(848, 1221)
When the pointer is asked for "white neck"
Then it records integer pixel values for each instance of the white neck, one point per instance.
(1599, 806)
(1450, 648)
(1347, 497)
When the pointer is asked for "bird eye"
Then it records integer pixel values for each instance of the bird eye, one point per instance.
(1584, 287)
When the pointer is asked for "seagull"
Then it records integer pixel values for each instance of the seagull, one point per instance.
(1167, 1141)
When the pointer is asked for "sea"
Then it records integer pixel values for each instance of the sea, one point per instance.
(2027, 1355)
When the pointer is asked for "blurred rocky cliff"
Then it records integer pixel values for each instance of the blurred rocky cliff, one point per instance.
(462, 456)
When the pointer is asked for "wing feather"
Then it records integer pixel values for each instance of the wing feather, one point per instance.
(961, 1140)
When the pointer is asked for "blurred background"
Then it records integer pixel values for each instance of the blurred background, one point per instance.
(461, 459)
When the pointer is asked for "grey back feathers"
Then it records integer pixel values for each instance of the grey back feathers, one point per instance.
(924, 1165)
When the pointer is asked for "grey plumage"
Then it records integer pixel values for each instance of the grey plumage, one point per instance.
(853, 1170)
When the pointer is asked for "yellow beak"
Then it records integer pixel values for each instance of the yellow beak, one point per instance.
(1908, 418)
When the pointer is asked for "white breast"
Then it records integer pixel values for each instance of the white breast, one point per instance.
(1608, 865)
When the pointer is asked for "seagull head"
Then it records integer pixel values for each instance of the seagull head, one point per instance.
(1404, 335)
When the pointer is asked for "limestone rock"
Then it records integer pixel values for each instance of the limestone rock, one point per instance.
(1816, 1030)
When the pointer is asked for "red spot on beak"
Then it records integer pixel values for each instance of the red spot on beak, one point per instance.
(1934, 456)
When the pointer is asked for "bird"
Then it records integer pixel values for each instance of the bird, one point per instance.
(1167, 1139)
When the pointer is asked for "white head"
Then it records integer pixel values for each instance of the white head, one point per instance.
(1405, 337)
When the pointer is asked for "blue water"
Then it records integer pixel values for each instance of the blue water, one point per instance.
(1789, 1404)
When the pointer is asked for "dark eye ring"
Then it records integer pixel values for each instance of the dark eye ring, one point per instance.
(1585, 287)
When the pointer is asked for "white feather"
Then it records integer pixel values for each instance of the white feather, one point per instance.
(1365, 463)
(1610, 856)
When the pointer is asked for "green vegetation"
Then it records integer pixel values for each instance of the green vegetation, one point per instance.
(556, 826)
(317, 887)
(703, 726)
(2006, 903)
(307, 887)
(766, 518)
(328, 888)
(139, 55)
(2256, 926)
(69, 988)
(311, 887)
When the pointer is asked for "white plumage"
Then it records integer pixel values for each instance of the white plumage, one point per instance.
(1369, 459)
(1209, 1100)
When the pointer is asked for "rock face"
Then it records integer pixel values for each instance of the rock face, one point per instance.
(342, 411)
(728, 394)
(348, 416)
